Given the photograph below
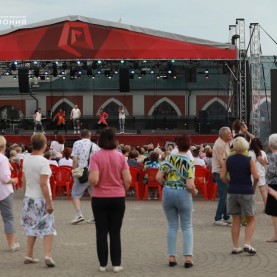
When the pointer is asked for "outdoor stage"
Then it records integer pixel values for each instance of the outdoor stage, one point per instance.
(156, 137)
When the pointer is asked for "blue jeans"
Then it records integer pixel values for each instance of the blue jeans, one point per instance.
(121, 124)
(178, 204)
(221, 210)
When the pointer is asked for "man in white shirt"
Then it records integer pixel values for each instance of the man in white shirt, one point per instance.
(37, 120)
(75, 116)
(81, 152)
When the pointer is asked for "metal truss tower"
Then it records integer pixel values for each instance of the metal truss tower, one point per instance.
(240, 24)
(255, 67)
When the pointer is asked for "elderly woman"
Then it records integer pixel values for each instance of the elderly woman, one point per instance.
(37, 211)
(6, 196)
(240, 197)
(176, 173)
(271, 180)
(110, 176)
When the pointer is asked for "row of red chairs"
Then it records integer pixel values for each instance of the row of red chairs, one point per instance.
(203, 182)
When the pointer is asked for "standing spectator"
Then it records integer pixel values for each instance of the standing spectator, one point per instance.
(75, 116)
(221, 150)
(111, 178)
(58, 146)
(121, 116)
(37, 211)
(66, 160)
(259, 156)
(271, 180)
(6, 197)
(60, 115)
(81, 151)
(37, 120)
(177, 175)
(241, 200)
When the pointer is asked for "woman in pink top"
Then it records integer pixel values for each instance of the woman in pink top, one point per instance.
(6, 196)
(110, 177)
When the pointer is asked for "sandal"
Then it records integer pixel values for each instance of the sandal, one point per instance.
(30, 260)
(236, 251)
(49, 261)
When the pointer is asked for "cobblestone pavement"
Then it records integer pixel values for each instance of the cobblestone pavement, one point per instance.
(144, 245)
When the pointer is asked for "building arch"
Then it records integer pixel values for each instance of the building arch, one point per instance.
(215, 99)
(170, 102)
(109, 101)
(63, 100)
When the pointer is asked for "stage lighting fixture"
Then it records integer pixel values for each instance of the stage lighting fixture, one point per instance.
(206, 76)
(13, 66)
(107, 73)
(93, 76)
(64, 66)
(14, 77)
(55, 72)
(206, 71)
(36, 72)
(72, 74)
(139, 76)
(89, 72)
(63, 77)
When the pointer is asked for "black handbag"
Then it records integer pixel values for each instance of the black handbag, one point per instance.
(84, 177)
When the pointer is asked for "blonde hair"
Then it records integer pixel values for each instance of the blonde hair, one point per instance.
(240, 144)
(3, 143)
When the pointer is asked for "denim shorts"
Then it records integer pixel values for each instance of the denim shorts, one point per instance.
(241, 204)
(78, 188)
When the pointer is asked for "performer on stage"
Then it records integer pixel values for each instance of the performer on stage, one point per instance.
(102, 118)
(61, 119)
(121, 115)
(37, 120)
(75, 116)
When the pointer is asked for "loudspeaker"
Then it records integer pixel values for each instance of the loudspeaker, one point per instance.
(16, 131)
(124, 80)
(23, 80)
(203, 117)
(273, 74)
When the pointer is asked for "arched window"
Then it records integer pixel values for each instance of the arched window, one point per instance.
(165, 109)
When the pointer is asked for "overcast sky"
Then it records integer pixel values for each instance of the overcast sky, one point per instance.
(196, 18)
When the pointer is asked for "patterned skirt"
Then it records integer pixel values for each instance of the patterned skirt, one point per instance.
(35, 220)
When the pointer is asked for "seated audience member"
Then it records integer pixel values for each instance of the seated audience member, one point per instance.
(132, 159)
(50, 156)
(153, 162)
(66, 160)
(58, 146)
(13, 157)
(141, 156)
(197, 159)
(208, 159)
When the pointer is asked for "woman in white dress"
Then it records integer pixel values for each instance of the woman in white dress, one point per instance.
(37, 211)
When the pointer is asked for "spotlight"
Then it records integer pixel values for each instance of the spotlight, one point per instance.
(36, 72)
(206, 76)
(14, 77)
(122, 61)
(132, 71)
(89, 72)
(107, 73)
(206, 71)
(139, 76)
(72, 74)
(63, 77)
(13, 66)
(93, 76)
(152, 71)
(47, 77)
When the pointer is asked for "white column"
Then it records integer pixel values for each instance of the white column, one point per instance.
(138, 104)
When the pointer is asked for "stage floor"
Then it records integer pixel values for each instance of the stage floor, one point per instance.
(130, 137)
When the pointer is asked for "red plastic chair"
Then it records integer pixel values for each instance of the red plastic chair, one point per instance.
(62, 177)
(152, 182)
(136, 182)
(204, 182)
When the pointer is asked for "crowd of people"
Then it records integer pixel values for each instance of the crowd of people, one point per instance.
(236, 161)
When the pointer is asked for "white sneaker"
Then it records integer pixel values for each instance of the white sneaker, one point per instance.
(102, 268)
(78, 219)
(220, 223)
(74, 133)
(91, 220)
(15, 247)
(117, 268)
(30, 260)
(44, 133)
(78, 132)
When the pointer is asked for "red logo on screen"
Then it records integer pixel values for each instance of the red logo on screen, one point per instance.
(75, 35)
